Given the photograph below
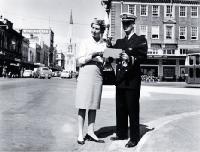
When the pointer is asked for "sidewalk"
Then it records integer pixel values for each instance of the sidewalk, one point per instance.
(175, 132)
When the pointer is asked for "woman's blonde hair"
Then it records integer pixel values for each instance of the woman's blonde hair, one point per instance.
(99, 22)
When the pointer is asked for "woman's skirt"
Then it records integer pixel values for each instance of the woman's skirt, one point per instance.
(89, 87)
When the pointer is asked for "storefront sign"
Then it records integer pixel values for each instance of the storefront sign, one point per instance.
(35, 31)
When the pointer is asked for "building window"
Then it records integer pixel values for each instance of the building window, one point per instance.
(182, 11)
(194, 33)
(169, 51)
(183, 51)
(155, 32)
(155, 10)
(143, 30)
(194, 11)
(169, 10)
(143, 10)
(132, 9)
(168, 32)
(182, 33)
(182, 62)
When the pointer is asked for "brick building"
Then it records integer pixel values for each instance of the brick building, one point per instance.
(171, 28)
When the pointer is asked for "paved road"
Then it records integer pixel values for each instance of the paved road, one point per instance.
(39, 115)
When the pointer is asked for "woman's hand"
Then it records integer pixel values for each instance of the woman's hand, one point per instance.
(97, 54)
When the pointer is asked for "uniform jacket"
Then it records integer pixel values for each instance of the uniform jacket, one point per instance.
(130, 76)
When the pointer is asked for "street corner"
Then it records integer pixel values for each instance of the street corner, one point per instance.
(173, 133)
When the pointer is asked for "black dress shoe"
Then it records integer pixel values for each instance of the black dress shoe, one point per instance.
(118, 138)
(131, 144)
(89, 138)
(81, 142)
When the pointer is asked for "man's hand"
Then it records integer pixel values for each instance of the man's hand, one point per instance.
(108, 42)
(124, 56)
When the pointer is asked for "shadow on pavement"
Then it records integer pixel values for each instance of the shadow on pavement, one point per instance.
(109, 130)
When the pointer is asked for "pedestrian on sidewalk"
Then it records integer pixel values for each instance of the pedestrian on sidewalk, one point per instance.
(4, 72)
(89, 81)
(128, 81)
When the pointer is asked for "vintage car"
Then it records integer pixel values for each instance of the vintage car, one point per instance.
(27, 73)
(43, 72)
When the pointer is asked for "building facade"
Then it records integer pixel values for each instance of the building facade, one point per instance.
(10, 48)
(70, 57)
(45, 39)
(26, 63)
(171, 28)
(60, 60)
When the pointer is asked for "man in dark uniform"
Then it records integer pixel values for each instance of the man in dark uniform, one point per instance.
(128, 81)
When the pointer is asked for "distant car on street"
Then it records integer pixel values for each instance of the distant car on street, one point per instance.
(27, 73)
(56, 73)
(43, 72)
(65, 74)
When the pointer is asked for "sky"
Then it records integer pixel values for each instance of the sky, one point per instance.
(39, 14)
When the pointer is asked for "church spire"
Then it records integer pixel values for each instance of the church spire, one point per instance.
(71, 18)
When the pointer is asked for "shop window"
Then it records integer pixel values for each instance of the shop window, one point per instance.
(169, 71)
(151, 62)
(181, 62)
(169, 62)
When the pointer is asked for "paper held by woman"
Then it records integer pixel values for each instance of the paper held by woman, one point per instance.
(110, 52)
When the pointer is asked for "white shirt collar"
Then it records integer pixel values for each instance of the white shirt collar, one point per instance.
(131, 34)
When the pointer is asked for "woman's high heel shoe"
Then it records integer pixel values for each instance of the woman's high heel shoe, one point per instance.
(81, 142)
(89, 138)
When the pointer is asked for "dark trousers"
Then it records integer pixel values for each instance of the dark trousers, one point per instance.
(127, 105)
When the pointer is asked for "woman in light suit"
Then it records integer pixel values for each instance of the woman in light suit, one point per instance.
(89, 82)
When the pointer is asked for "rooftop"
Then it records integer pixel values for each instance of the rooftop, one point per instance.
(163, 1)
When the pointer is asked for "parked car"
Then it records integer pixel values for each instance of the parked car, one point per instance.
(65, 74)
(27, 73)
(43, 72)
(56, 74)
